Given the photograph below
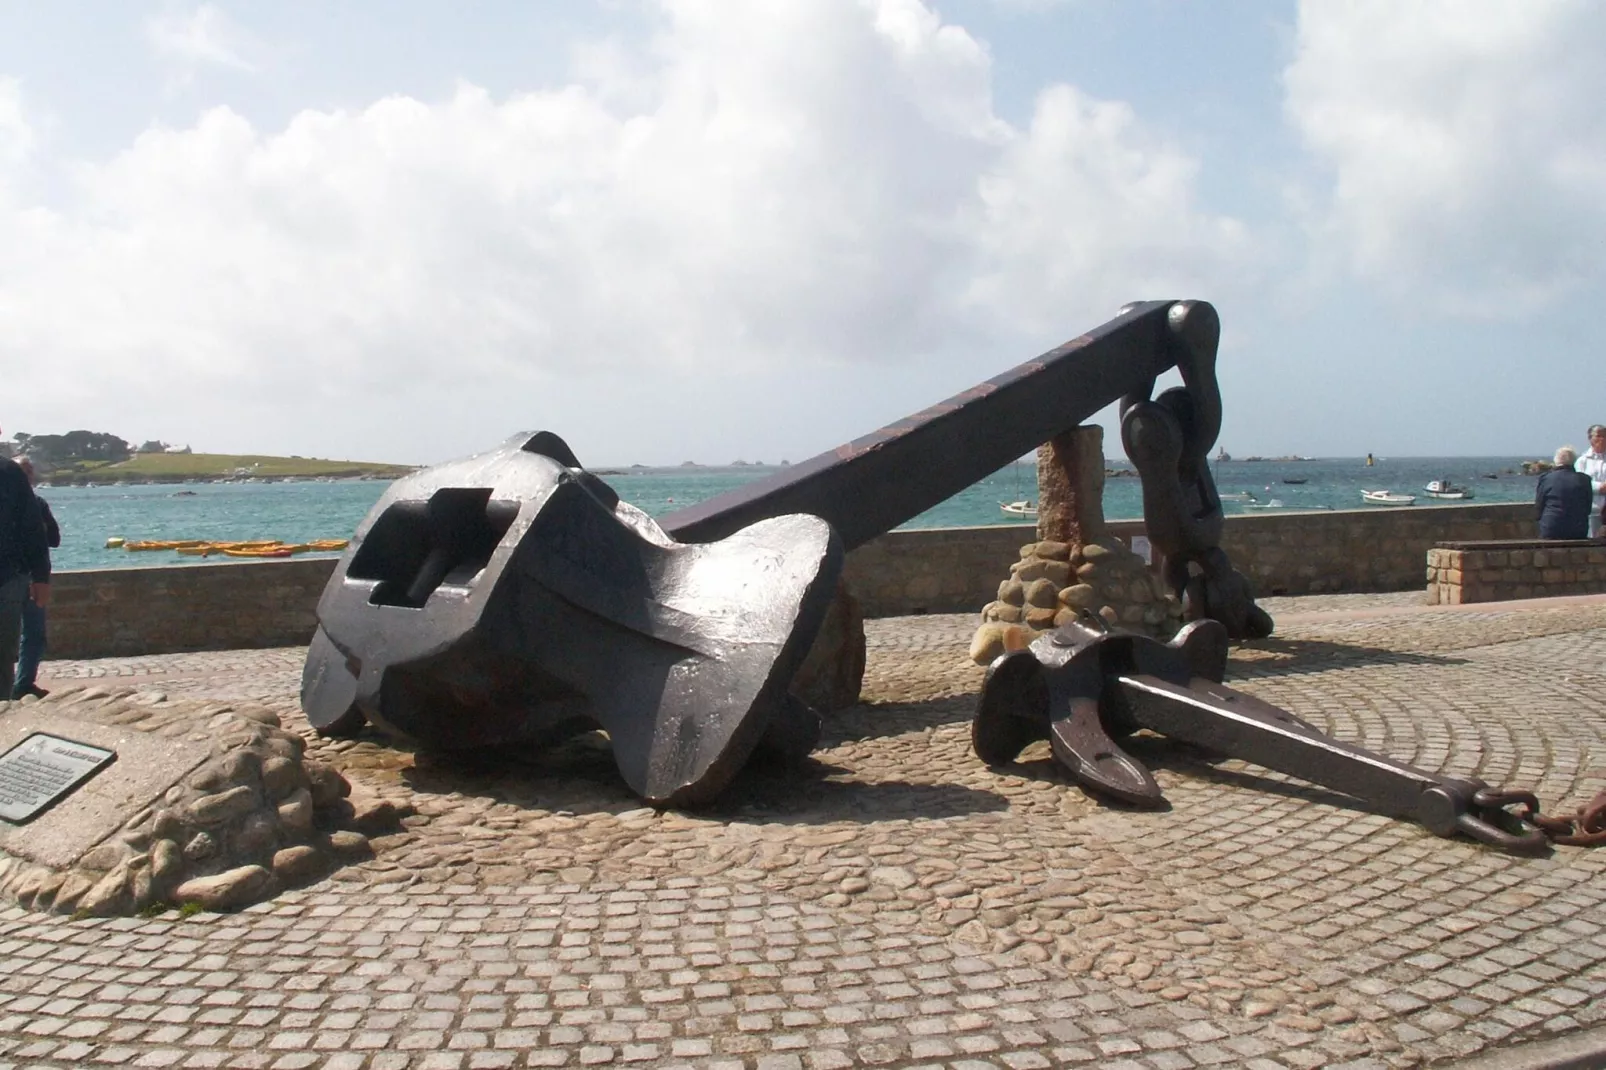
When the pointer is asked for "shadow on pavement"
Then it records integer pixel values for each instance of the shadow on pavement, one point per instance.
(579, 776)
(1290, 657)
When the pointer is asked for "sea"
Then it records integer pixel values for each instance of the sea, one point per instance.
(301, 511)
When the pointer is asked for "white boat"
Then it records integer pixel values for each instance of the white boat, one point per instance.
(1386, 497)
(1446, 490)
(1237, 496)
(1025, 510)
(1275, 503)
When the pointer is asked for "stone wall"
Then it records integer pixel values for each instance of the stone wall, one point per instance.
(130, 611)
(1499, 571)
(1379, 549)
(126, 612)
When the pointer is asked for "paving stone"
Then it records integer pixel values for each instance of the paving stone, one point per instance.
(896, 902)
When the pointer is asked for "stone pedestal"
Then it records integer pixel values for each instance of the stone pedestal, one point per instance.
(833, 672)
(1070, 487)
(1075, 565)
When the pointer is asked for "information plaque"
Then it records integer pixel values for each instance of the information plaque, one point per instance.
(43, 768)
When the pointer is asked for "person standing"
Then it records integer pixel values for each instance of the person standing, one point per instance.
(31, 649)
(1593, 465)
(24, 563)
(1563, 499)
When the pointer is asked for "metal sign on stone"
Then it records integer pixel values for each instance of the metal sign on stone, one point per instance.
(42, 769)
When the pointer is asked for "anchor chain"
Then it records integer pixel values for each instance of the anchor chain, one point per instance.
(1168, 440)
(1586, 828)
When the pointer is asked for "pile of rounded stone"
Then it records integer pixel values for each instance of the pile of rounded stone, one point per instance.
(1053, 582)
(254, 817)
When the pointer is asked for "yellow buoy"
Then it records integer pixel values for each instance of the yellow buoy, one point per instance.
(114, 542)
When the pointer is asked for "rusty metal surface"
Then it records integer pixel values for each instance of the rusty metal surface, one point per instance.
(1084, 687)
(511, 598)
(880, 480)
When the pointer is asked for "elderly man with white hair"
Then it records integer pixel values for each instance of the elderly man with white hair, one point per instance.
(1593, 465)
(1563, 499)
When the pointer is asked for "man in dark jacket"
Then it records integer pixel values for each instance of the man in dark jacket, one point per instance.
(31, 650)
(1563, 499)
(24, 562)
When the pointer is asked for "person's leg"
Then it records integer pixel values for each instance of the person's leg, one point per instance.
(13, 593)
(30, 650)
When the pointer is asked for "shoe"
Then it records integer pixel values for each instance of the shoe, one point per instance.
(36, 691)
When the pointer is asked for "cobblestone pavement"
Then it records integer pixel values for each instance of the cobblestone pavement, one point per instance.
(895, 903)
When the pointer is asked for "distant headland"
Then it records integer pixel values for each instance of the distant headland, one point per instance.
(81, 458)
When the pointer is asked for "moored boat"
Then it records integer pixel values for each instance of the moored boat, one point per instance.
(1025, 510)
(1446, 490)
(1386, 497)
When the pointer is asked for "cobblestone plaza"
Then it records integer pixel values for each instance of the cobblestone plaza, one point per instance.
(895, 903)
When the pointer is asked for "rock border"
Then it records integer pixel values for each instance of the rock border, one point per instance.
(1054, 581)
(255, 817)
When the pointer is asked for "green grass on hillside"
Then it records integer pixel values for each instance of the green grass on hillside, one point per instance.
(174, 466)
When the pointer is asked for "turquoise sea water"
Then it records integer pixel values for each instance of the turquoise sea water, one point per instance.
(296, 512)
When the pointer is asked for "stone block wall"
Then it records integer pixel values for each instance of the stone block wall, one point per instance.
(1500, 571)
(127, 612)
(131, 611)
(1377, 548)
(953, 570)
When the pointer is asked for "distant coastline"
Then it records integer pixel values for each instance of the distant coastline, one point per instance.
(170, 468)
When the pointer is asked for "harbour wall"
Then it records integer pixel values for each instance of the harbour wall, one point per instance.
(240, 605)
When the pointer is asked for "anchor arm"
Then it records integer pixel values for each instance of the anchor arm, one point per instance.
(1215, 716)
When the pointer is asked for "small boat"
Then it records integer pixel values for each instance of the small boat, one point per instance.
(1025, 510)
(1236, 496)
(161, 544)
(1386, 497)
(1297, 480)
(1443, 488)
(264, 551)
(1275, 503)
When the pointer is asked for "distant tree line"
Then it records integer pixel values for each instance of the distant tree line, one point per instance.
(74, 446)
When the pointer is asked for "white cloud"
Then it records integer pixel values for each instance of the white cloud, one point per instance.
(16, 134)
(203, 37)
(1464, 142)
(796, 183)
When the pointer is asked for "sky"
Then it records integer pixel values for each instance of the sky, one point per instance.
(709, 230)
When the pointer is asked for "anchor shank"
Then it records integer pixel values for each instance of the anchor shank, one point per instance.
(1230, 722)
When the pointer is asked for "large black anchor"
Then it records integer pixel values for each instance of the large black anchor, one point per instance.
(1083, 687)
(511, 599)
